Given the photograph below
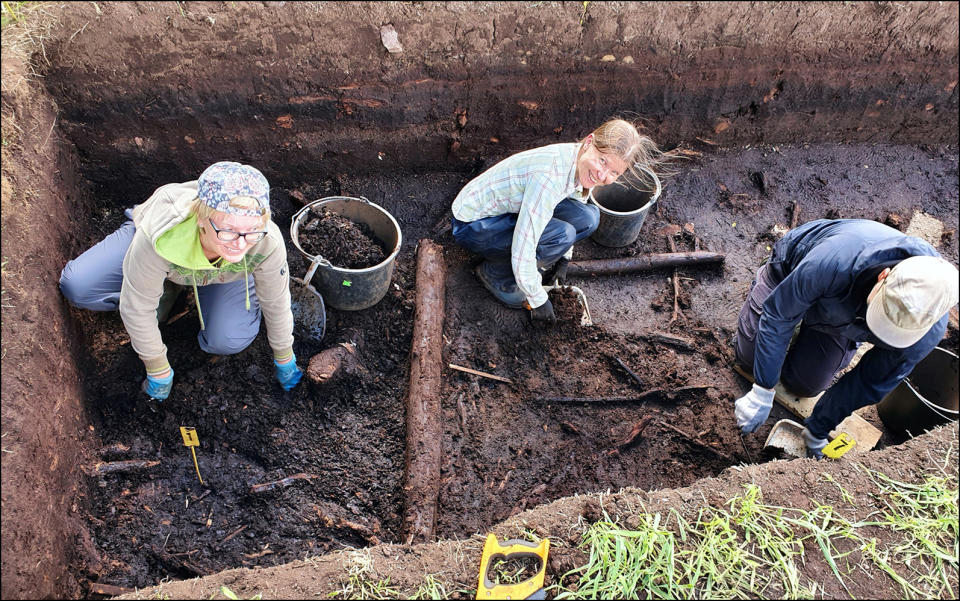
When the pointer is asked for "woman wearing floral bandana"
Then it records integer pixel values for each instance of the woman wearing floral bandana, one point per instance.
(213, 235)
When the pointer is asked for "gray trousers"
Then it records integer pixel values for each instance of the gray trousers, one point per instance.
(814, 357)
(92, 281)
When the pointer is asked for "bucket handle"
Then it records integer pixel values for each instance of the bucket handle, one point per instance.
(928, 403)
(317, 262)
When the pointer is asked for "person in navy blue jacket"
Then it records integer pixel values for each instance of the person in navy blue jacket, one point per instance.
(843, 282)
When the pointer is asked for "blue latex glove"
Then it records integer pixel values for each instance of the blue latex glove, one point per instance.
(753, 408)
(288, 374)
(158, 388)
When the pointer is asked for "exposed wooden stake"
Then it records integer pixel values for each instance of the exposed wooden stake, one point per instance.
(423, 424)
(478, 373)
(647, 262)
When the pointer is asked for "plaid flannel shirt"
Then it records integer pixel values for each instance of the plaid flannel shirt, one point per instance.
(531, 184)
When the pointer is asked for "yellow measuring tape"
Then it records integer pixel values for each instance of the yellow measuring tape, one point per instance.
(190, 440)
(532, 588)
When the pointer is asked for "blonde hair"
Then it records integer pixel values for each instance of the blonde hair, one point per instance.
(204, 211)
(621, 138)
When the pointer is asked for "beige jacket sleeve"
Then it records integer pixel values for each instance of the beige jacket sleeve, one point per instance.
(143, 274)
(272, 281)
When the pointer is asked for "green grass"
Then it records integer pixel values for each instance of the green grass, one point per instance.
(11, 12)
(759, 550)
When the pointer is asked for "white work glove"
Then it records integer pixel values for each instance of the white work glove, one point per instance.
(753, 408)
(814, 445)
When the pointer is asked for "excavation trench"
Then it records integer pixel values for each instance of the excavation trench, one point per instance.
(322, 468)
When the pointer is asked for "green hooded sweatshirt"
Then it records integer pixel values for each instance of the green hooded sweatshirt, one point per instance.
(166, 246)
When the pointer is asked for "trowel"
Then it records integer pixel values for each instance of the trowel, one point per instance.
(585, 319)
(787, 435)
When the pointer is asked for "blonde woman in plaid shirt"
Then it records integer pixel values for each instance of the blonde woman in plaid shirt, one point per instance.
(524, 214)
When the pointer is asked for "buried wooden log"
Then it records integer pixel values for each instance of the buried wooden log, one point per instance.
(116, 467)
(327, 364)
(423, 426)
(639, 263)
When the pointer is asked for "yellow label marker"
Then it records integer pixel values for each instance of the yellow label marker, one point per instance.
(191, 440)
(839, 445)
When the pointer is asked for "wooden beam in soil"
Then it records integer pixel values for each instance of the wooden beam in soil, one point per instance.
(646, 262)
(424, 430)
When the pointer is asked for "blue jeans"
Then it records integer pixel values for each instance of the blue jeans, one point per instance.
(93, 280)
(812, 360)
(492, 237)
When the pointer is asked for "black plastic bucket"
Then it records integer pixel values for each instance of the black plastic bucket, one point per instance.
(623, 209)
(927, 398)
(351, 289)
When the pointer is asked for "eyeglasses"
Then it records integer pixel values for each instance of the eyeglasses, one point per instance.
(230, 235)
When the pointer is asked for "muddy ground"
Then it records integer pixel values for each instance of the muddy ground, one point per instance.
(840, 110)
(505, 450)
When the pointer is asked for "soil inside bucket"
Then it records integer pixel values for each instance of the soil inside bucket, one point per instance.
(341, 241)
(566, 304)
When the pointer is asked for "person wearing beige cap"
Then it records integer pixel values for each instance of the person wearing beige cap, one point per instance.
(828, 286)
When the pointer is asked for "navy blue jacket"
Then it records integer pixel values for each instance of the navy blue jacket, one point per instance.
(826, 269)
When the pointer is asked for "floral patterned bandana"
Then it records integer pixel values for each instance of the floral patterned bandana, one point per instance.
(221, 182)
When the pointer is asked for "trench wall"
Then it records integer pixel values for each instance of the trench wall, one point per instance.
(307, 90)
(43, 416)
(140, 94)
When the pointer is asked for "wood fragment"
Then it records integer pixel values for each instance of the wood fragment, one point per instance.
(116, 467)
(631, 438)
(478, 373)
(462, 412)
(101, 588)
(630, 371)
(267, 486)
(234, 533)
(424, 430)
(266, 551)
(794, 214)
(676, 286)
(328, 363)
(694, 440)
(114, 449)
(681, 341)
